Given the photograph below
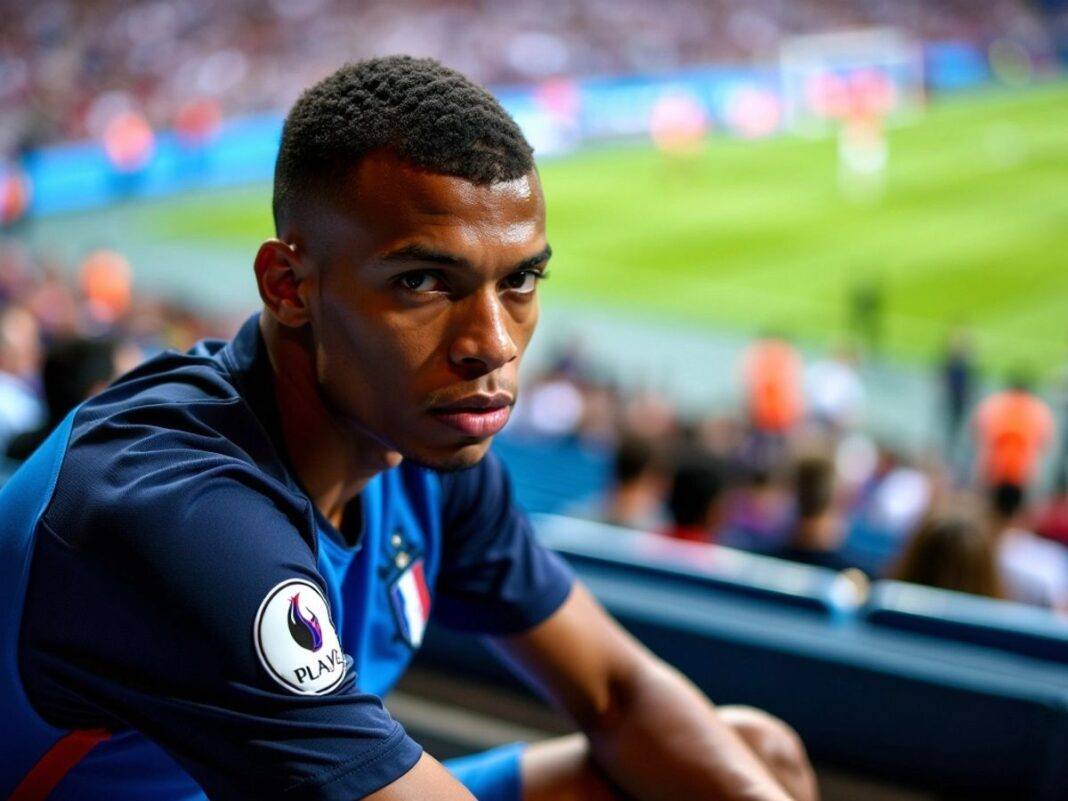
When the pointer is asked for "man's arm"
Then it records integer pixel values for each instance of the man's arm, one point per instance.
(428, 780)
(654, 733)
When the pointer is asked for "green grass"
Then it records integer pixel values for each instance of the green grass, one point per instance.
(972, 229)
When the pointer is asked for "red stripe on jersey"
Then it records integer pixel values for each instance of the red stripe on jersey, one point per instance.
(56, 763)
(420, 583)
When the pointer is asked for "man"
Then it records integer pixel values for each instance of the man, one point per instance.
(20, 363)
(695, 499)
(235, 551)
(635, 498)
(75, 368)
(819, 530)
(773, 397)
(1013, 429)
(1033, 570)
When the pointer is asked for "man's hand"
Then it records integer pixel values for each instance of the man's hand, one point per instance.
(654, 734)
(777, 745)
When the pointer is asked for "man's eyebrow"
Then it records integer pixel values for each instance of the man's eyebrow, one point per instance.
(420, 253)
(426, 255)
(534, 261)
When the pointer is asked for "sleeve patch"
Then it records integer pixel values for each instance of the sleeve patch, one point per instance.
(296, 641)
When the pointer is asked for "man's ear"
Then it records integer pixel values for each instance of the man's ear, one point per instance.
(280, 272)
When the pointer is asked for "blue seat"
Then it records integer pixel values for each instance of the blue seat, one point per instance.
(551, 475)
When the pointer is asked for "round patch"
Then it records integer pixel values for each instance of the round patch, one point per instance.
(295, 639)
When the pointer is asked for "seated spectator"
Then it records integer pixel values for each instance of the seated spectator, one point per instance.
(1034, 570)
(952, 550)
(835, 392)
(695, 500)
(1013, 430)
(20, 357)
(760, 512)
(1052, 520)
(74, 369)
(636, 497)
(819, 530)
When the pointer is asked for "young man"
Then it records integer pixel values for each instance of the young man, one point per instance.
(213, 571)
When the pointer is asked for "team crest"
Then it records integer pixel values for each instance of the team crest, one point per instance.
(410, 598)
(295, 639)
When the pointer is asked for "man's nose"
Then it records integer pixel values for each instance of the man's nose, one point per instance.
(483, 342)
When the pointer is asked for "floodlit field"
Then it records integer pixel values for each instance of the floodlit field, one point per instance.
(972, 229)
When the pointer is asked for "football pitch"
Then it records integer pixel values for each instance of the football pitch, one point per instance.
(972, 230)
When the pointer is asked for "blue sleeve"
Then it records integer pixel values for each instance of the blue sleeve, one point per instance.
(146, 609)
(495, 577)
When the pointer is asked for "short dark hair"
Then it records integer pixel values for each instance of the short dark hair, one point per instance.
(1006, 499)
(72, 367)
(814, 485)
(429, 116)
(699, 482)
(634, 456)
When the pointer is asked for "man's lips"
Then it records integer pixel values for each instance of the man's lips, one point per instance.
(477, 415)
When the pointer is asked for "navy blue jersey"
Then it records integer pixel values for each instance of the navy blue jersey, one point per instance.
(171, 594)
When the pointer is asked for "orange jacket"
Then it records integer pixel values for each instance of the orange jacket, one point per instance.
(772, 375)
(1013, 428)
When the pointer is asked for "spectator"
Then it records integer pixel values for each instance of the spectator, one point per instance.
(1013, 428)
(867, 303)
(958, 386)
(760, 512)
(773, 399)
(74, 369)
(20, 358)
(952, 551)
(636, 497)
(835, 392)
(1034, 570)
(819, 529)
(695, 500)
(1053, 519)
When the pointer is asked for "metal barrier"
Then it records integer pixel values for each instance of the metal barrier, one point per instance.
(927, 712)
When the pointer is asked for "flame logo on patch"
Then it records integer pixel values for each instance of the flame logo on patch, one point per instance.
(305, 631)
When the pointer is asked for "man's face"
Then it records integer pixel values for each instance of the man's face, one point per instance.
(426, 301)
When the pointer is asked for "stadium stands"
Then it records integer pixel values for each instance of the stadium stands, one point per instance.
(935, 712)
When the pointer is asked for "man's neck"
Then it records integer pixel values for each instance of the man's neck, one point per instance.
(331, 457)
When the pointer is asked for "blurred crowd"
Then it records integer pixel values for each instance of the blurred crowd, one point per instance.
(792, 471)
(67, 330)
(75, 70)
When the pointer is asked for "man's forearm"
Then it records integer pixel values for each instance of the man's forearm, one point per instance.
(661, 739)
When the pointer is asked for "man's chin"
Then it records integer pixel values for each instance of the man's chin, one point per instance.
(451, 459)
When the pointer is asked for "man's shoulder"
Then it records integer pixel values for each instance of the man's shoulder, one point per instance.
(155, 439)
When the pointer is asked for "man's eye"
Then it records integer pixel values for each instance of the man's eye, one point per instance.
(421, 282)
(523, 281)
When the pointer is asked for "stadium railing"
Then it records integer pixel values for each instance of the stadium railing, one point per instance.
(1005, 625)
(724, 570)
(927, 712)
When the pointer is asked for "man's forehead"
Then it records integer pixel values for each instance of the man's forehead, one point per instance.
(386, 186)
